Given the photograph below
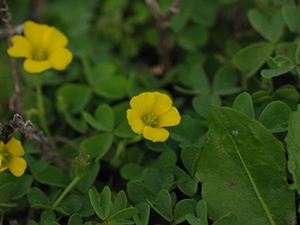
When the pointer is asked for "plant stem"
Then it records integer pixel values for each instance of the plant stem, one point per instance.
(40, 104)
(65, 192)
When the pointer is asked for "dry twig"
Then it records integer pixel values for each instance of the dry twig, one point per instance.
(44, 144)
(6, 18)
(162, 22)
(16, 30)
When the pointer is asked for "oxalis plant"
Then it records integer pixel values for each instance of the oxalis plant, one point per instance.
(149, 112)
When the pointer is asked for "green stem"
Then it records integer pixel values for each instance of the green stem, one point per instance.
(245, 83)
(65, 192)
(40, 105)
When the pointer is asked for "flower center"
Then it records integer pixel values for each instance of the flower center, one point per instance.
(5, 155)
(39, 55)
(149, 120)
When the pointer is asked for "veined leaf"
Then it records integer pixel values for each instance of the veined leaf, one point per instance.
(243, 170)
(293, 146)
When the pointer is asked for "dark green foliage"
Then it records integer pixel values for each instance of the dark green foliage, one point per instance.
(233, 74)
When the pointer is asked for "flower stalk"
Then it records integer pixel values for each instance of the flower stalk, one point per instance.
(65, 192)
(40, 105)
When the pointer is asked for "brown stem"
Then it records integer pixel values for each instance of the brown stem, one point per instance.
(162, 23)
(16, 30)
(44, 144)
(37, 10)
(6, 18)
(174, 8)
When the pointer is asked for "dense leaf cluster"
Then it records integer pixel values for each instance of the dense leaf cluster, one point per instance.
(234, 77)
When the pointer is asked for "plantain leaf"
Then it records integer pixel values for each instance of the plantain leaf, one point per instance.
(293, 146)
(243, 170)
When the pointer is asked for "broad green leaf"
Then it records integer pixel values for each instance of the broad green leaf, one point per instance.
(229, 219)
(6, 192)
(75, 219)
(48, 217)
(252, 57)
(166, 158)
(180, 19)
(225, 81)
(76, 123)
(86, 209)
(250, 164)
(97, 146)
(202, 103)
(189, 157)
(100, 72)
(205, 12)
(189, 131)
(201, 211)
(193, 37)
(38, 199)
(293, 145)
(163, 205)
(193, 220)
(270, 28)
(119, 204)
(123, 215)
(73, 97)
(105, 202)
(60, 179)
(157, 180)
(291, 16)
(279, 65)
(95, 203)
(92, 171)
(243, 102)
(199, 80)
(35, 166)
(287, 49)
(188, 187)
(71, 204)
(289, 95)
(276, 116)
(131, 171)
(113, 88)
(169, 144)
(124, 130)
(143, 219)
(178, 172)
(24, 183)
(182, 208)
(103, 120)
(138, 191)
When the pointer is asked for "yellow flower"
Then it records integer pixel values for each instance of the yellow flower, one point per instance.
(43, 47)
(149, 113)
(10, 157)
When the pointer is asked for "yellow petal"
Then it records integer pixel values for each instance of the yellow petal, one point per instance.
(143, 103)
(155, 134)
(163, 104)
(33, 66)
(1, 145)
(0, 161)
(17, 166)
(171, 118)
(60, 58)
(35, 33)
(53, 39)
(135, 121)
(14, 147)
(21, 47)
(3, 168)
